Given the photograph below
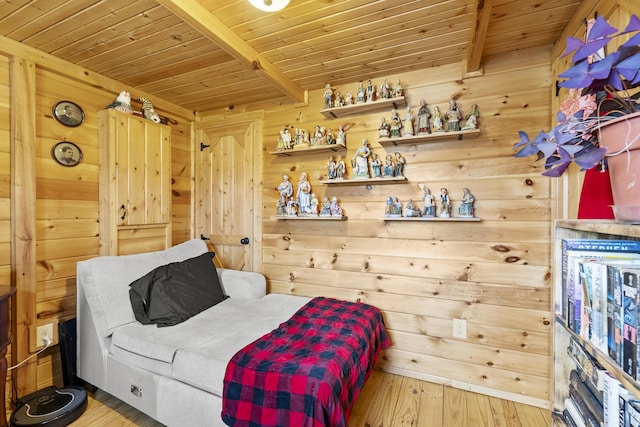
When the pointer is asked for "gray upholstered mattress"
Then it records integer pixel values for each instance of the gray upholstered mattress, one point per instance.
(200, 359)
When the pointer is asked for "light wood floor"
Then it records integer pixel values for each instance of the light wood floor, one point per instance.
(387, 400)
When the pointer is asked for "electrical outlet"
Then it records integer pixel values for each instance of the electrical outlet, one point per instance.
(459, 328)
(42, 332)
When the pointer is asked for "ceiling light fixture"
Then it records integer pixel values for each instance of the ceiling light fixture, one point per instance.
(269, 5)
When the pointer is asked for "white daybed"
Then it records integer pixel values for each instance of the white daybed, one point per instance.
(173, 374)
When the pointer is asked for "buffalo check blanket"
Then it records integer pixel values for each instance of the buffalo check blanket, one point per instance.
(307, 372)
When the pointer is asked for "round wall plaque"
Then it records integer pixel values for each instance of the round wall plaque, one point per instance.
(68, 113)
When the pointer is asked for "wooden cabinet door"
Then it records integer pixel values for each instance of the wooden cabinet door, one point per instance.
(143, 152)
(135, 184)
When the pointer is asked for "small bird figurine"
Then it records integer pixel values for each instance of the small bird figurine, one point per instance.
(122, 103)
(147, 110)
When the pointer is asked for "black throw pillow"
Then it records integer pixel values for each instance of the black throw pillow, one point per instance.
(172, 293)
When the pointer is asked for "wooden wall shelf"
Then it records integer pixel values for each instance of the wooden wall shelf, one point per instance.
(365, 181)
(603, 226)
(428, 219)
(312, 149)
(366, 107)
(311, 218)
(430, 137)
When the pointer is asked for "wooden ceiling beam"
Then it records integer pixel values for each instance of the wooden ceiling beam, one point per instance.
(196, 15)
(479, 27)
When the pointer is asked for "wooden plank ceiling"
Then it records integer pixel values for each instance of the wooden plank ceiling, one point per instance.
(209, 54)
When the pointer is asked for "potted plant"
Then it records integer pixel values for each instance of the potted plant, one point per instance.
(607, 98)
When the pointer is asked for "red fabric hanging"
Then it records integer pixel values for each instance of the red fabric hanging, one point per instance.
(596, 197)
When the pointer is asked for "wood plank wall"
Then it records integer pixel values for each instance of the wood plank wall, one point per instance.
(493, 273)
(67, 199)
(5, 182)
(5, 178)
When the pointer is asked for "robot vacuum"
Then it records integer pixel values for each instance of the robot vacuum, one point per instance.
(51, 407)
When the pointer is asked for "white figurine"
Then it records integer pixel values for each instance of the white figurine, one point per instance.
(341, 168)
(314, 205)
(331, 168)
(319, 136)
(360, 94)
(328, 96)
(370, 91)
(348, 98)
(285, 137)
(330, 139)
(388, 169)
(407, 124)
(325, 210)
(423, 117)
(397, 91)
(383, 129)
(384, 91)
(395, 124)
(437, 120)
(376, 166)
(341, 138)
(429, 201)
(466, 208)
(360, 161)
(303, 195)
(400, 163)
(396, 207)
(411, 211)
(335, 209)
(298, 137)
(285, 191)
(445, 203)
(291, 208)
(472, 118)
(454, 115)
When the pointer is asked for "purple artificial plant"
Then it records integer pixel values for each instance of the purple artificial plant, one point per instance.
(607, 91)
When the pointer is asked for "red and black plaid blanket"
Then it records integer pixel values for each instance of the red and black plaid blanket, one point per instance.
(307, 372)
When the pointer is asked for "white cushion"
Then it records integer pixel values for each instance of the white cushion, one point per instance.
(106, 280)
(197, 350)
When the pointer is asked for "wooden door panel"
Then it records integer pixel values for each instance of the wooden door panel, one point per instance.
(154, 176)
(139, 239)
(225, 193)
(136, 173)
(121, 168)
(158, 175)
